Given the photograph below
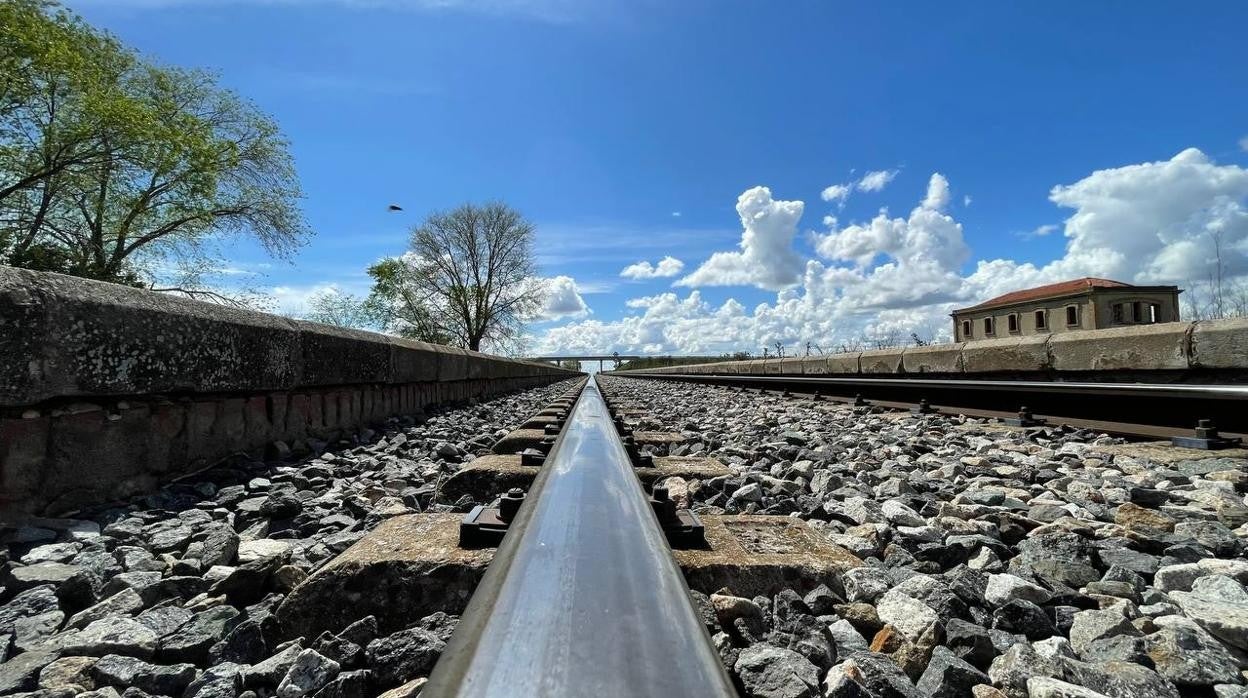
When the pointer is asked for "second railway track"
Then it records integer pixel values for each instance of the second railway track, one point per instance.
(842, 551)
(1146, 410)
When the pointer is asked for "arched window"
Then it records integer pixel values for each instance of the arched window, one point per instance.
(1042, 320)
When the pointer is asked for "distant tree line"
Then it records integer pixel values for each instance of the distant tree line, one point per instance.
(113, 167)
(665, 361)
(1219, 295)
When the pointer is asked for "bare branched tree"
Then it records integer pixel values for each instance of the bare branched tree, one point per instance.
(469, 278)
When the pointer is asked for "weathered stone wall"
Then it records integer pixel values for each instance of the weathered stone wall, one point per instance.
(1206, 350)
(107, 390)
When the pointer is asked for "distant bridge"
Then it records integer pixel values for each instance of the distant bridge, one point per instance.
(600, 358)
(589, 357)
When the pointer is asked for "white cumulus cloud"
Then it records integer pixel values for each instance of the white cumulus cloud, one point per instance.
(876, 180)
(1156, 221)
(563, 299)
(876, 281)
(835, 192)
(767, 259)
(667, 267)
(937, 192)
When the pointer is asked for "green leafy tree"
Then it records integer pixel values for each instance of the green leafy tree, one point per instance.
(115, 168)
(60, 101)
(395, 304)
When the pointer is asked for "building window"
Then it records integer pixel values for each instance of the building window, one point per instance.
(1012, 322)
(966, 329)
(1117, 313)
(1137, 312)
(1042, 320)
(1154, 313)
(1072, 315)
(989, 326)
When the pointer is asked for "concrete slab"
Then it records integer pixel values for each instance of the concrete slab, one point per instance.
(754, 555)
(403, 570)
(539, 422)
(880, 361)
(936, 358)
(789, 366)
(519, 440)
(688, 467)
(658, 438)
(1139, 347)
(1030, 353)
(844, 363)
(1220, 343)
(1164, 453)
(814, 365)
(411, 566)
(489, 476)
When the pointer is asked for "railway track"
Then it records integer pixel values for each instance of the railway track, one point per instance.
(945, 555)
(585, 553)
(1140, 410)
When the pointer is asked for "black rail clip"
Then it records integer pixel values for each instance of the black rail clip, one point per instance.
(547, 443)
(1207, 438)
(639, 458)
(620, 426)
(860, 401)
(682, 527)
(924, 407)
(532, 457)
(484, 527)
(1024, 419)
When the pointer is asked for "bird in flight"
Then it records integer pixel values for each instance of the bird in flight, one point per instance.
(394, 207)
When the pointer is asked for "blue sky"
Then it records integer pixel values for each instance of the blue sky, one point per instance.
(627, 131)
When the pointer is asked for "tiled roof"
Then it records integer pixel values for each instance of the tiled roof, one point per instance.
(1063, 288)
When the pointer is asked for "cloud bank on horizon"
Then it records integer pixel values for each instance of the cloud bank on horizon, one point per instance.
(1168, 221)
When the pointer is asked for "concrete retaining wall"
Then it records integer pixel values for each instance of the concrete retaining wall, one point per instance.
(106, 390)
(1215, 349)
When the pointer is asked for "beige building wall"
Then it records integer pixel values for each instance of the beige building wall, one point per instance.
(1091, 311)
(1167, 302)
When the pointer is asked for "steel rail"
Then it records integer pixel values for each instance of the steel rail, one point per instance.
(583, 597)
(1217, 392)
(1154, 404)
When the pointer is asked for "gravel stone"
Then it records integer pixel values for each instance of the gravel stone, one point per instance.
(403, 656)
(948, 676)
(772, 672)
(310, 672)
(120, 672)
(115, 635)
(909, 616)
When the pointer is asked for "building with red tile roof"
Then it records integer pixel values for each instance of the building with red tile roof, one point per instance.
(1078, 304)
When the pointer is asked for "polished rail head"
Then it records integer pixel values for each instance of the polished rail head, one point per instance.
(583, 597)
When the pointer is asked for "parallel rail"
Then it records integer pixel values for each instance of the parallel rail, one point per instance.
(583, 597)
(1134, 409)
